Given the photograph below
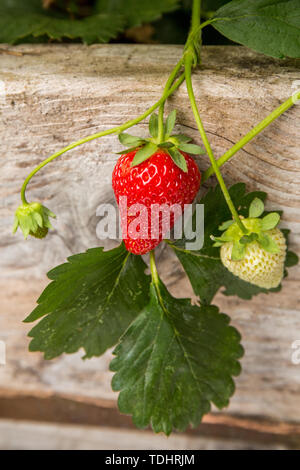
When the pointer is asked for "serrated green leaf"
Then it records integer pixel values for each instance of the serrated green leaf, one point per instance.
(137, 12)
(178, 159)
(132, 140)
(144, 153)
(21, 19)
(89, 303)
(291, 259)
(192, 148)
(256, 208)
(270, 221)
(170, 123)
(204, 267)
(268, 26)
(153, 125)
(175, 360)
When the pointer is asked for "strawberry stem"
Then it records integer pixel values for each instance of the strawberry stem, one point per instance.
(153, 268)
(192, 48)
(170, 81)
(161, 131)
(254, 132)
(188, 77)
(196, 14)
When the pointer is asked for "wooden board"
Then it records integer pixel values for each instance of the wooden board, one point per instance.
(57, 94)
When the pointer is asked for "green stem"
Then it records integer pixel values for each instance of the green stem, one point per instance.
(156, 281)
(161, 130)
(196, 14)
(188, 78)
(114, 130)
(193, 43)
(153, 269)
(254, 132)
(168, 85)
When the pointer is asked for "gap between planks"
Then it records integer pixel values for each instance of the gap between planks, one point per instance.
(72, 409)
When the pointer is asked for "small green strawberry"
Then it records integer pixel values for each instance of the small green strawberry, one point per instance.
(257, 257)
(33, 219)
(41, 232)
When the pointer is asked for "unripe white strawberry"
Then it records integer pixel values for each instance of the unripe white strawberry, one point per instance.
(254, 249)
(258, 266)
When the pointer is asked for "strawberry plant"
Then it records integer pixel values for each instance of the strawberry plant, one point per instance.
(173, 360)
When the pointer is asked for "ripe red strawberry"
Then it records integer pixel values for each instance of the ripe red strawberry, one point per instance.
(157, 180)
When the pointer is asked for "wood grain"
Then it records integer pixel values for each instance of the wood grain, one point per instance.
(58, 94)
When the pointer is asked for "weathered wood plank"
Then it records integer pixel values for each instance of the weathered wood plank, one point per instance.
(65, 409)
(45, 436)
(57, 94)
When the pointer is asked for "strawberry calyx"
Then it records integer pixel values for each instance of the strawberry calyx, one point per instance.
(172, 143)
(257, 231)
(33, 219)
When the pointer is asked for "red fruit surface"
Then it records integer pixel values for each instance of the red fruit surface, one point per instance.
(155, 181)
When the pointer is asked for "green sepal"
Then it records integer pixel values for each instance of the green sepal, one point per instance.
(166, 145)
(267, 243)
(144, 153)
(48, 212)
(16, 224)
(238, 251)
(132, 140)
(270, 221)
(170, 123)
(249, 238)
(225, 225)
(153, 125)
(39, 219)
(178, 159)
(191, 148)
(218, 244)
(125, 152)
(218, 241)
(181, 138)
(256, 208)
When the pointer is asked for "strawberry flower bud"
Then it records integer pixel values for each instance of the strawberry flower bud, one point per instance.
(33, 219)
